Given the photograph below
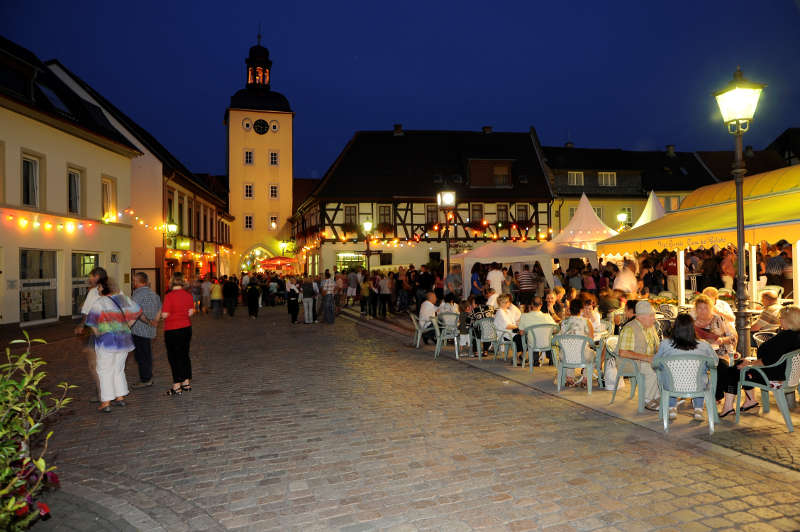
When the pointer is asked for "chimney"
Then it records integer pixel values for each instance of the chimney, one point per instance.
(487, 130)
(398, 130)
(748, 152)
(569, 144)
(670, 150)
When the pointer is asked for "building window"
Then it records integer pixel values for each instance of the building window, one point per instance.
(671, 203)
(180, 215)
(108, 198)
(522, 214)
(30, 182)
(431, 214)
(575, 179)
(476, 212)
(628, 214)
(248, 191)
(502, 213)
(607, 179)
(598, 211)
(273, 221)
(273, 158)
(350, 214)
(190, 219)
(273, 192)
(248, 157)
(73, 191)
(571, 213)
(248, 221)
(502, 175)
(384, 214)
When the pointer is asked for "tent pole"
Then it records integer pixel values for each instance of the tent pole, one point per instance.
(681, 277)
(796, 273)
(753, 275)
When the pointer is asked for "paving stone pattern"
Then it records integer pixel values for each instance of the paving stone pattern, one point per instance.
(317, 427)
(774, 444)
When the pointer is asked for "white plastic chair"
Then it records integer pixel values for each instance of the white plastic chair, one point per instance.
(680, 376)
(447, 324)
(571, 352)
(779, 388)
(537, 339)
(418, 331)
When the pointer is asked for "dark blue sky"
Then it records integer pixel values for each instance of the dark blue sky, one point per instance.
(622, 73)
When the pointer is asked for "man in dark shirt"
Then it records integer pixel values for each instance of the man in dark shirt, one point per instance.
(230, 294)
(424, 284)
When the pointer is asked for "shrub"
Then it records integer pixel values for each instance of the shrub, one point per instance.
(24, 406)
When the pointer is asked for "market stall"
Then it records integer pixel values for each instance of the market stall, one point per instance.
(707, 218)
(508, 254)
(585, 229)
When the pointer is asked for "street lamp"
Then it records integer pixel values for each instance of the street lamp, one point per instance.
(737, 102)
(446, 200)
(367, 225)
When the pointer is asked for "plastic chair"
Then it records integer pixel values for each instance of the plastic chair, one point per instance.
(447, 325)
(775, 288)
(419, 331)
(779, 388)
(679, 377)
(486, 333)
(625, 368)
(541, 341)
(762, 336)
(504, 343)
(668, 311)
(571, 354)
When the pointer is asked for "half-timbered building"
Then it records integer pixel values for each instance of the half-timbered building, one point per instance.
(391, 179)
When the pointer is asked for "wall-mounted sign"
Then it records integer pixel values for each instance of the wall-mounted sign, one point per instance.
(209, 247)
(182, 242)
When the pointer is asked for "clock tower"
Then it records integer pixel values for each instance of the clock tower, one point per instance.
(259, 122)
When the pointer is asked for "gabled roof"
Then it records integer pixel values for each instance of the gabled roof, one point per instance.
(787, 144)
(169, 162)
(382, 165)
(24, 79)
(721, 162)
(301, 189)
(658, 170)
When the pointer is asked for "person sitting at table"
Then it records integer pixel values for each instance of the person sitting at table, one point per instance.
(638, 340)
(590, 312)
(713, 329)
(786, 341)
(684, 342)
(448, 304)
(577, 324)
(768, 319)
(427, 313)
(719, 306)
(535, 316)
(553, 307)
(504, 322)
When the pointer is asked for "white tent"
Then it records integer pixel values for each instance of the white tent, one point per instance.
(585, 229)
(653, 210)
(508, 253)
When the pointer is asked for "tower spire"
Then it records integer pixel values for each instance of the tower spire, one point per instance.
(259, 34)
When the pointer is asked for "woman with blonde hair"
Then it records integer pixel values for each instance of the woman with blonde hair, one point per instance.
(177, 309)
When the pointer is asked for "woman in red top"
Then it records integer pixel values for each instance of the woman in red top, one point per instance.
(178, 307)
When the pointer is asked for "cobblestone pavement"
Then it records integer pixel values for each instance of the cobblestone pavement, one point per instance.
(316, 427)
(773, 444)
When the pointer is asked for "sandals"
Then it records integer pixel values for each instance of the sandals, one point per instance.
(119, 403)
(104, 410)
(746, 408)
(186, 387)
(173, 391)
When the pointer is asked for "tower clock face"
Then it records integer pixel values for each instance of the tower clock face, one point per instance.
(247, 124)
(261, 126)
(274, 126)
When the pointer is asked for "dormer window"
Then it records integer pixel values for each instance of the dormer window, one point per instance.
(575, 179)
(607, 179)
(490, 173)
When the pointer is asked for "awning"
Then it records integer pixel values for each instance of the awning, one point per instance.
(777, 181)
(770, 218)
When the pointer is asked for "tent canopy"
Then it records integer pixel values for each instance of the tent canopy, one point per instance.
(653, 210)
(771, 213)
(585, 229)
(514, 253)
(771, 183)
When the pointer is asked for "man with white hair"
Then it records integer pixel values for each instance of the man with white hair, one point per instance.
(638, 340)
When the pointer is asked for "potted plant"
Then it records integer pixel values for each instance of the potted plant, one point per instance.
(385, 227)
(24, 405)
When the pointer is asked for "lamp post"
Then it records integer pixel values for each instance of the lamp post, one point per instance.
(446, 200)
(622, 218)
(737, 102)
(367, 225)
